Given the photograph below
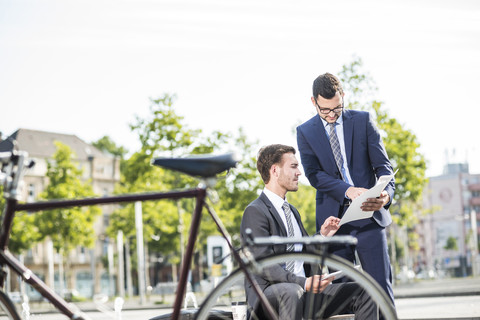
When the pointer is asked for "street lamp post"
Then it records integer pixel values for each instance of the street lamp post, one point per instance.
(474, 245)
(140, 252)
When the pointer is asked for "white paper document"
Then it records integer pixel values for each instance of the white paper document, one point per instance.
(354, 212)
(337, 274)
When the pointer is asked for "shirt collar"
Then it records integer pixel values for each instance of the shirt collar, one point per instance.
(274, 198)
(339, 120)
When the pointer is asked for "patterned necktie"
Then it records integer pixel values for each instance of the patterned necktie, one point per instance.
(290, 266)
(336, 148)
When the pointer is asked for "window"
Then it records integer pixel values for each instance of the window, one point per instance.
(31, 193)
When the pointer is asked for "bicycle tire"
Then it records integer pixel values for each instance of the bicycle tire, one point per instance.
(364, 280)
(7, 308)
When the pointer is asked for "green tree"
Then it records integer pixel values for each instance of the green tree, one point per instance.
(160, 219)
(105, 143)
(451, 244)
(67, 228)
(164, 133)
(24, 234)
(240, 187)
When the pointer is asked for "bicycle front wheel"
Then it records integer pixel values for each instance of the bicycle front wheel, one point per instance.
(230, 290)
(7, 308)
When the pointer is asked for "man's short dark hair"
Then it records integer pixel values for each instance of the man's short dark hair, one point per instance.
(326, 85)
(270, 155)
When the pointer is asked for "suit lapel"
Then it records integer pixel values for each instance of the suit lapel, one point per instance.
(321, 145)
(274, 213)
(348, 135)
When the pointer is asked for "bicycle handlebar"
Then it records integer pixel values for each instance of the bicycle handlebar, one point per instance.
(317, 239)
(6, 157)
(13, 165)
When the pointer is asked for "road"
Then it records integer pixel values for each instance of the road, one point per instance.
(143, 314)
(408, 309)
(457, 298)
(439, 308)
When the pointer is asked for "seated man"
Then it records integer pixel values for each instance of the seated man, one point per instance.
(285, 285)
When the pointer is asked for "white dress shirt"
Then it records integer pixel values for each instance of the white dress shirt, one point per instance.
(341, 140)
(277, 202)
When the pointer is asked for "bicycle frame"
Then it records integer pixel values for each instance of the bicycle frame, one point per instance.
(12, 206)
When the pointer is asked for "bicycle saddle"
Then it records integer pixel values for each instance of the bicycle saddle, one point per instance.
(204, 166)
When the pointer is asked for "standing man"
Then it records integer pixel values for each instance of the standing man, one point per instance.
(342, 154)
(285, 284)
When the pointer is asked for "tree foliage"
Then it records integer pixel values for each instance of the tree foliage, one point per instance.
(105, 143)
(304, 201)
(451, 244)
(240, 187)
(71, 227)
(24, 234)
(164, 133)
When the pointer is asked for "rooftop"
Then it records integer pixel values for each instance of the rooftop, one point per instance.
(41, 144)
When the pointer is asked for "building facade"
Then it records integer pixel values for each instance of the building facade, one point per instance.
(449, 232)
(89, 275)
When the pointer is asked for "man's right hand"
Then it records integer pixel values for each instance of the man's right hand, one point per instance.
(316, 285)
(354, 192)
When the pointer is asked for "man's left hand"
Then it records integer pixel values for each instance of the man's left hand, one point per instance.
(330, 226)
(375, 204)
(315, 284)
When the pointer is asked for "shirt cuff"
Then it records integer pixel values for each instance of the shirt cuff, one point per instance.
(320, 234)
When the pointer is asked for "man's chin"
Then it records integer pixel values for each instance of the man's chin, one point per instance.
(293, 189)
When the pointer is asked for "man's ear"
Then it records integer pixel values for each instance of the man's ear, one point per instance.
(313, 101)
(274, 170)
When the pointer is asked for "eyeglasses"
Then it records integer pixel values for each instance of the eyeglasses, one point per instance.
(328, 110)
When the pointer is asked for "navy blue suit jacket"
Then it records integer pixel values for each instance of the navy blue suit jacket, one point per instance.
(366, 157)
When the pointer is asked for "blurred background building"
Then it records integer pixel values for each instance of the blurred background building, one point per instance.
(91, 276)
(448, 233)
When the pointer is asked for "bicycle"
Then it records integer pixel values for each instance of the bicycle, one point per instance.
(13, 165)
(206, 168)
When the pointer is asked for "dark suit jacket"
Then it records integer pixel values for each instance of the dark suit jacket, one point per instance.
(264, 221)
(366, 157)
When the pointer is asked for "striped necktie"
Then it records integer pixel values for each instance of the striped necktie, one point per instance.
(336, 148)
(290, 266)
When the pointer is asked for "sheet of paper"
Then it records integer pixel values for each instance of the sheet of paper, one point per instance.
(336, 274)
(354, 212)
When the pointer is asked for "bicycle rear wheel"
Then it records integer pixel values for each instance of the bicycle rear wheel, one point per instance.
(231, 288)
(7, 308)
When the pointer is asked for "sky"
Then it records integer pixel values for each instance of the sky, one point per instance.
(89, 68)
